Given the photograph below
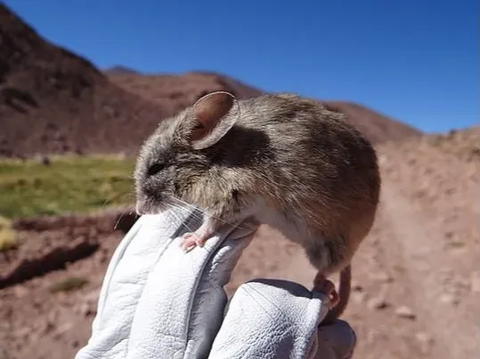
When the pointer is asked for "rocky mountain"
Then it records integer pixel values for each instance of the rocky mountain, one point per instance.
(55, 101)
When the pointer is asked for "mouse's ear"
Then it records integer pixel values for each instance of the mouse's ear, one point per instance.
(214, 115)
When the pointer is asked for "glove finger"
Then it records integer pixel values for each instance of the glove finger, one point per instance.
(270, 319)
(181, 306)
(124, 280)
(338, 340)
(209, 300)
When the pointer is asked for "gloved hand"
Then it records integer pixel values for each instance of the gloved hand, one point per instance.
(158, 302)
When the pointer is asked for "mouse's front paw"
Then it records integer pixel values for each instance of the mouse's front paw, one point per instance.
(190, 240)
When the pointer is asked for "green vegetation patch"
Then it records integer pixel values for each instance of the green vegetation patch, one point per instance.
(68, 184)
(68, 284)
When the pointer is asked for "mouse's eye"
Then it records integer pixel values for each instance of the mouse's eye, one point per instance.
(155, 168)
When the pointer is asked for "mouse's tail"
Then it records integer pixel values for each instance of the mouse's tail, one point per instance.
(344, 295)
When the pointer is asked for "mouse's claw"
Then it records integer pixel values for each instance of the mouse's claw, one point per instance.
(322, 285)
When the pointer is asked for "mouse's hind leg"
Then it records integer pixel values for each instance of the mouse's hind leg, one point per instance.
(327, 256)
(322, 285)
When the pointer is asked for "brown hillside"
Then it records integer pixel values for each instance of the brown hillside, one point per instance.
(180, 91)
(53, 101)
(174, 92)
(376, 126)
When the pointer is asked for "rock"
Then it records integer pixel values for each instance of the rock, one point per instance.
(448, 298)
(20, 291)
(62, 329)
(46, 326)
(92, 296)
(356, 287)
(372, 336)
(405, 312)
(4, 354)
(23, 332)
(475, 282)
(359, 297)
(84, 309)
(45, 161)
(382, 277)
(377, 303)
(455, 243)
(425, 341)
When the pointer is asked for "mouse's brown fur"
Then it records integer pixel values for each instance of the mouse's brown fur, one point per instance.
(286, 160)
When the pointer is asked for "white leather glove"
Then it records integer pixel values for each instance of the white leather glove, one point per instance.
(158, 302)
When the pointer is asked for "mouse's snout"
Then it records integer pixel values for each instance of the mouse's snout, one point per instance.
(152, 196)
(142, 202)
(140, 208)
(146, 204)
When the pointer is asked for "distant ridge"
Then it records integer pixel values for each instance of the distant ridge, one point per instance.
(121, 70)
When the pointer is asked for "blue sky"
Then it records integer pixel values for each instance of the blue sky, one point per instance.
(416, 61)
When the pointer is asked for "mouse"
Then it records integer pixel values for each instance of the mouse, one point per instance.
(280, 159)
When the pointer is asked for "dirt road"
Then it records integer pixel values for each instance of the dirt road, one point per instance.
(419, 268)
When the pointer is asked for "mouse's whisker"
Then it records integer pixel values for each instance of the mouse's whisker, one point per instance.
(184, 204)
(115, 198)
(187, 225)
(177, 220)
(186, 207)
(195, 215)
(180, 221)
(181, 209)
(178, 214)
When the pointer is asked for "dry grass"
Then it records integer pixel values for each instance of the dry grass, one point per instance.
(68, 284)
(8, 238)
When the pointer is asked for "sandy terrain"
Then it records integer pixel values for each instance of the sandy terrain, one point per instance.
(416, 279)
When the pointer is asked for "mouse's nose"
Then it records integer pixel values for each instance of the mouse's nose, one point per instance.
(149, 200)
(140, 207)
(146, 207)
